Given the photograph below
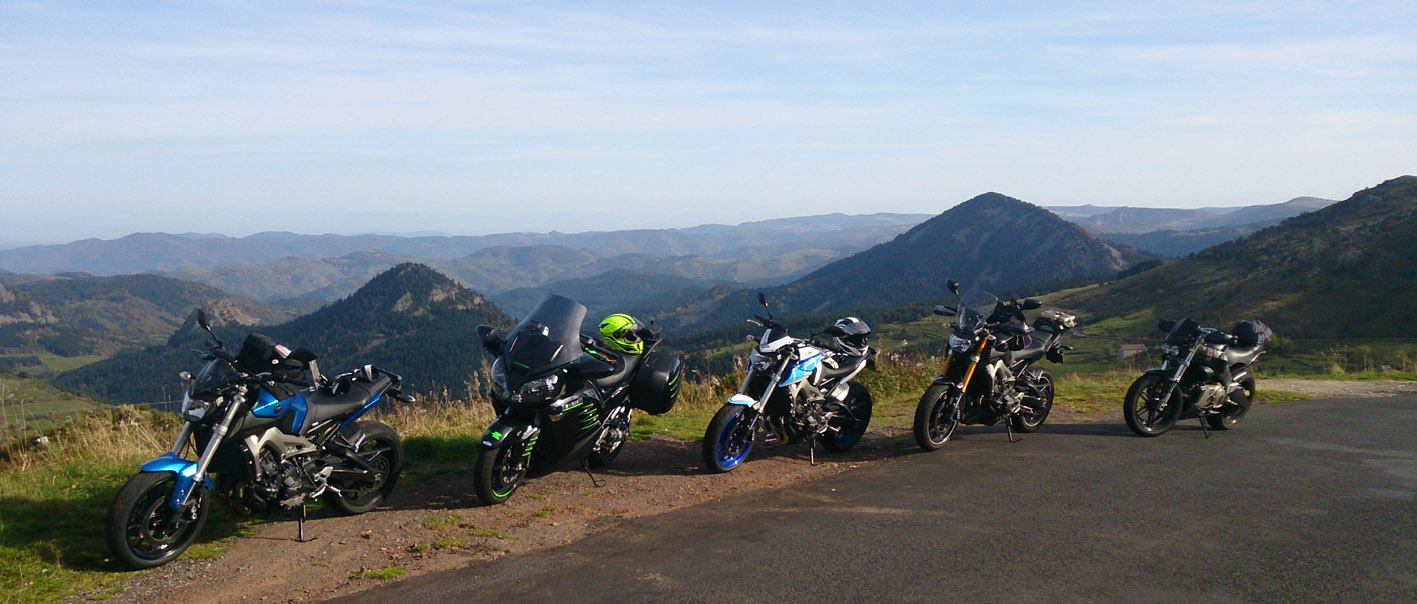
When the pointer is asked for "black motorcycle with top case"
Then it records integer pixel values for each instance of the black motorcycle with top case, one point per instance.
(1205, 373)
(269, 439)
(562, 399)
(988, 374)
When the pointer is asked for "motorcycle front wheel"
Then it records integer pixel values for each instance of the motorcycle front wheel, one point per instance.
(142, 531)
(728, 439)
(858, 401)
(499, 472)
(1145, 411)
(937, 416)
(383, 450)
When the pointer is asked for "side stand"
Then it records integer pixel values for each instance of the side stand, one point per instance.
(300, 525)
(597, 483)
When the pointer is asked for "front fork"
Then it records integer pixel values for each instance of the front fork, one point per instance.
(191, 474)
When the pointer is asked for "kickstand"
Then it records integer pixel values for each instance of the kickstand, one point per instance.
(597, 483)
(1008, 425)
(812, 452)
(1204, 429)
(300, 526)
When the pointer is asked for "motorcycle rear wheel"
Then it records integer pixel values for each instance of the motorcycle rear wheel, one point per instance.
(936, 416)
(498, 472)
(1025, 421)
(609, 450)
(142, 531)
(1230, 416)
(728, 439)
(858, 400)
(383, 449)
(1146, 415)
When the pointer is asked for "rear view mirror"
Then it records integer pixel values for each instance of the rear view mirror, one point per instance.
(762, 299)
(1030, 304)
(491, 340)
(1165, 324)
(953, 286)
(202, 320)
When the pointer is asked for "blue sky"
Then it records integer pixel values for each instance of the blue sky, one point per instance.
(482, 117)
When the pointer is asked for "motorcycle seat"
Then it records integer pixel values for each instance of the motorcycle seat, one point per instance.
(1034, 351)
(627, 363)
(1241, 355)
(845, 365)
(354, 395)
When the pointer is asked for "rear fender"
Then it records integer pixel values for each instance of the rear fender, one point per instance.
(185, 471)
(506, 432)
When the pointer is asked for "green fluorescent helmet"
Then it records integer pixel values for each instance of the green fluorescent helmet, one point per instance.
(620, 331)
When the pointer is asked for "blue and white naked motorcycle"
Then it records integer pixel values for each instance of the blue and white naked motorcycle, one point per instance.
(269, 440)
(794, 390)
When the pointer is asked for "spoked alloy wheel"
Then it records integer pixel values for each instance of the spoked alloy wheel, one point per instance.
(1035, 408)
(381, 449)
(728, 439)
(1145, 411)
(937, 416)
(858, 400)
(142, 531)
(500, 471)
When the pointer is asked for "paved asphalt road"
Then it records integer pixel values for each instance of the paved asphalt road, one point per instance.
(1313, 501)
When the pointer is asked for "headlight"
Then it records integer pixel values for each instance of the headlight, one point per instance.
(1171, 351)
(958, 344)
(193, 409)
(536, 391)
(499, 378)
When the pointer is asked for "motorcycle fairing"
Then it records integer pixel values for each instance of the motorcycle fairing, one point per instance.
(504, 432)
(184, 469)
(269, 407)
(802, 369)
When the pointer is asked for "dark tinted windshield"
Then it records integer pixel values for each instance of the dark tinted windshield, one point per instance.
(214, 376)
(1181, 332)
(546, 339)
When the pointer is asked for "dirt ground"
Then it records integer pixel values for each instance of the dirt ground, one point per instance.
(437, 523)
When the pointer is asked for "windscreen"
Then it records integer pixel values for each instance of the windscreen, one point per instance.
(546, 339)
(214, 376)
(1181, 332)
(975, 307)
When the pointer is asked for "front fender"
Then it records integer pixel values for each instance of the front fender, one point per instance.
(506, 432)
(1158, 371)
(186, 471)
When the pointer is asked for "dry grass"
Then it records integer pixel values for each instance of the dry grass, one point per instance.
(100, 437)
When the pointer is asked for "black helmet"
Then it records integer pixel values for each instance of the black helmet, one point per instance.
(849, 335)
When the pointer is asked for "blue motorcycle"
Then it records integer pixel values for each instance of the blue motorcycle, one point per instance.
(269, 440)
(795, 390)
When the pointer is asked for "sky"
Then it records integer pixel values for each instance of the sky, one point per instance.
(481, 117)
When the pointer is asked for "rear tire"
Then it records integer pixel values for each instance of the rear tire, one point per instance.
(1145, 414)
(1028, 422)
(142, 531)
(498, 472)
(936, 417)
(1230, 415)
(383, 449)
(728, 439)
(612, 448)
(858, 400)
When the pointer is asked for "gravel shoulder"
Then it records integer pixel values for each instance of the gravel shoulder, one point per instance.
(437, 523)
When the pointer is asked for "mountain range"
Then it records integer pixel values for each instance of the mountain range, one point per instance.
(156, 252)
(1173, 232)
(1343, 271)
(411, 320)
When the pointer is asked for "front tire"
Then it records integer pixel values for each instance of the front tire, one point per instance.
(728, 439)
(858, 400)
(142, 531)
(1145, 412)
(383, 449)
(1230, 416)
(499, 472)
(937, 416)
(1028, 421)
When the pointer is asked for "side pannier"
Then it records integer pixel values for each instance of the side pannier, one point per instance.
(656, 384)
